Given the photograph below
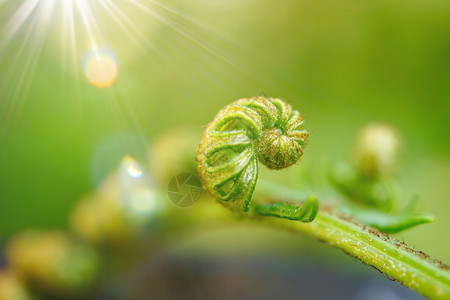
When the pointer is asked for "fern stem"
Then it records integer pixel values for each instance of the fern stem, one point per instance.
(395, 259)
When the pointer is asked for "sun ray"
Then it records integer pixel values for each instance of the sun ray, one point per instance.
(17, 21)
(87, 20)
(84, 29)
(111, 9)
(244, 60)
(33, 43)
(183, 31)
(116, 13)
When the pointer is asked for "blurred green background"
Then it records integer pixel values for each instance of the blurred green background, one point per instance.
(341, 63)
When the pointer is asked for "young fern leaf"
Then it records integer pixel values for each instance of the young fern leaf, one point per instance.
(374, 200)
(389, 222)
(246, 132)
(305, 213)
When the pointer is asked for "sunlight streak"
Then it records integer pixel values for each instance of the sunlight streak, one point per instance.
(117, 14)
(17, 20)
(92, 37)
(37, 16)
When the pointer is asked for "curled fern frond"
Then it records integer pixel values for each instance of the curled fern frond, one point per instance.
(246, 132)
(305, 213)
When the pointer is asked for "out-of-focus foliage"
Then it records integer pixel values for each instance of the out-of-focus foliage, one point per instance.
(11, 287)
(341, 63)
(52, 260)
(97, 217)
(173, 152)
(123, 202)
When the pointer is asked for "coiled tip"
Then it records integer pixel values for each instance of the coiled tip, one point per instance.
(277, 150)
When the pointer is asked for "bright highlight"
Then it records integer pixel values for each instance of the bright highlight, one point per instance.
(133, 168)
(100, 67)
(136, 190)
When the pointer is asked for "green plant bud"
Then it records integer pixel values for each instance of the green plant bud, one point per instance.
(377, 149)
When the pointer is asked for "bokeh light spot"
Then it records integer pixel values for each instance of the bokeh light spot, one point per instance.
(133, 169)
(137, 191)
(100, 67)
(143, 201)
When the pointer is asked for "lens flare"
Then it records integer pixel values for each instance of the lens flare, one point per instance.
(100, 67)
(134, 171)
(137, 191)
(132, 167)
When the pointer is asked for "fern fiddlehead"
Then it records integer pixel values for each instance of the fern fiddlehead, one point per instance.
(246, 132)
(267, 130)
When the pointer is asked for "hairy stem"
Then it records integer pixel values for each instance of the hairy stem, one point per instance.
(394, 258)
